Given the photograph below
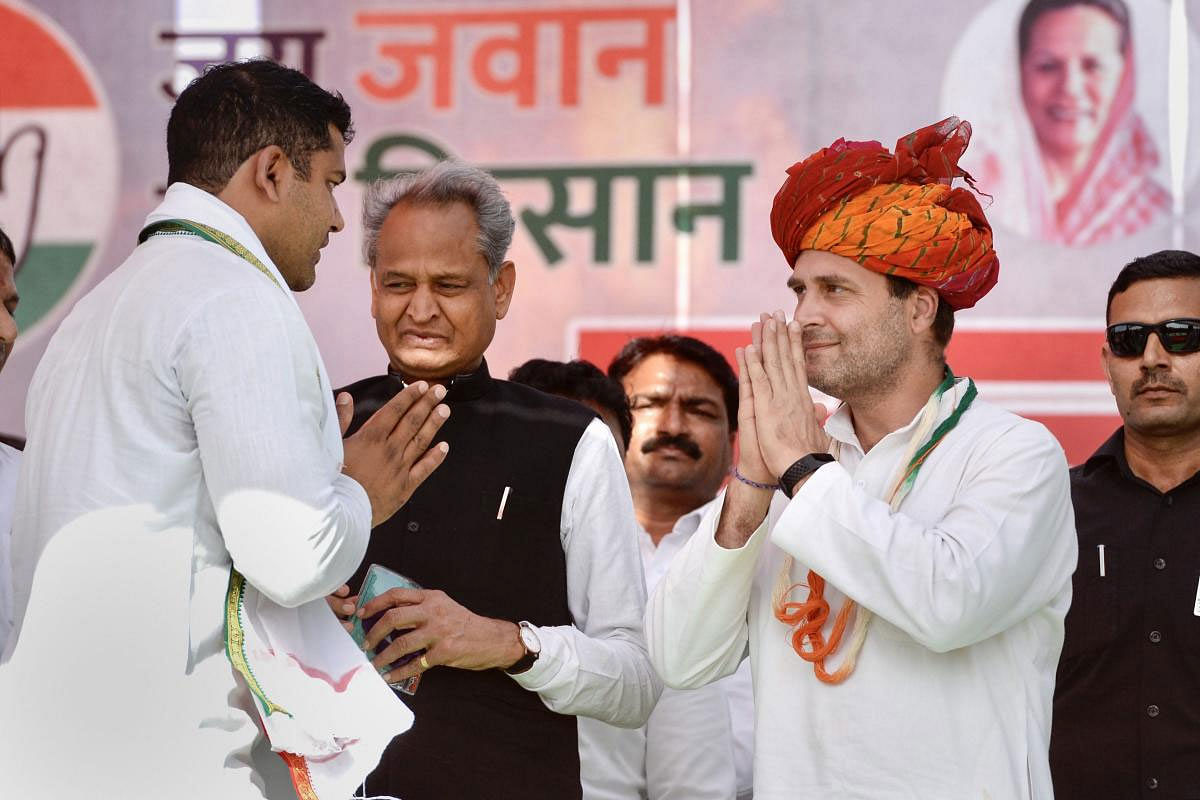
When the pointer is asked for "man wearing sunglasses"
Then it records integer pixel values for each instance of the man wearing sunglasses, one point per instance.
(1127, 700)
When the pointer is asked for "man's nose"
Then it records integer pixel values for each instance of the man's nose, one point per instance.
(671, 419)
(422, 306)
(1155, 356)
(338, 222)
(809, 311)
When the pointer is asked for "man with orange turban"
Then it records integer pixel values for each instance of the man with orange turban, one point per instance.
(899, 572)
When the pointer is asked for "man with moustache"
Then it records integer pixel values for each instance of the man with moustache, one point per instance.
(524, 541)
(683, 397)
(10, 457)
(898, 572)
(1127, 700)
(686, 398)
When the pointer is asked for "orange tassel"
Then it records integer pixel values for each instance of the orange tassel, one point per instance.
(807, 619)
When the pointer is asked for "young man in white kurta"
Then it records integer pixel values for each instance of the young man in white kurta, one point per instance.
(182, 424)
(201, 386)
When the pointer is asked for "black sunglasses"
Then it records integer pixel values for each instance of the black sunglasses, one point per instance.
(1128, 339)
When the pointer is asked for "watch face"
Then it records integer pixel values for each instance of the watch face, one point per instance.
(530, 639)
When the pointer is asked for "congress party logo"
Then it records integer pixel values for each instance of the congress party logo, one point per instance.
(58, 162)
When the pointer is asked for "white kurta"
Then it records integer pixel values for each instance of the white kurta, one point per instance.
(688, 748)
(180, 419)
(10, 465)
(969, 581)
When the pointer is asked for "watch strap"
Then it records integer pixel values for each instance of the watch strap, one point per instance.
(801, 469)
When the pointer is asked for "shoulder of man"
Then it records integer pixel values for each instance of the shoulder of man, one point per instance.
(989, 425)
(185, 273)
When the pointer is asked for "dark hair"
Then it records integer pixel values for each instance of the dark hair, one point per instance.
(1163, 264)
(581, 381)
(234, 110)
(684, 348)
(1036, 8)
(6, 248)
(943, 320)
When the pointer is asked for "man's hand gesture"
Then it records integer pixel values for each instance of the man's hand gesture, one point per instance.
(786, 421)
(390, 454)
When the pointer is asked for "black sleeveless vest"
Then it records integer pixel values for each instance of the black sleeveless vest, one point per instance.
(479, 735)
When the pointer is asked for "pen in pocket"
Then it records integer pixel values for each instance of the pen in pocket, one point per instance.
(503, 502)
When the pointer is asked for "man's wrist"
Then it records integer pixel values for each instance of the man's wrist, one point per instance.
(767, 485)
(742, 513)
(800, 470)
(510, 650)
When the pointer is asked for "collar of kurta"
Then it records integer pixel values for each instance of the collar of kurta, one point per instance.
(184, 201)
(840, 424)
(467, 386)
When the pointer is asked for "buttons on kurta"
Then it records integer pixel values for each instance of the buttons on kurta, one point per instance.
(1152, 783)
(1152, 710)
(1155, 637)
(1160, 563)
(413, 526)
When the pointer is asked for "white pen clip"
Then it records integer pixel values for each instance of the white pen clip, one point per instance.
(503, 502)
(1100, 550)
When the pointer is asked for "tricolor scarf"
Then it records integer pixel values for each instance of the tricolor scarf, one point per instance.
(807, 618)
(322, 705)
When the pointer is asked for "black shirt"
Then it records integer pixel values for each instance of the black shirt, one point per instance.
(1127, 703)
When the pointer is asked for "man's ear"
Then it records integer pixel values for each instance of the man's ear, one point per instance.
(1105, 360)
(272, 168)
(924, 308)
(506, 281)
(374, 294)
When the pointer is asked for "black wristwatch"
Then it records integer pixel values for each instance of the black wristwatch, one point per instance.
(805, 466)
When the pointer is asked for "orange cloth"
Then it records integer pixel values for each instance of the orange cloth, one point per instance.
(893, 214)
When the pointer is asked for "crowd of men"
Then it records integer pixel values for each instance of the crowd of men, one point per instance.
(906, 596)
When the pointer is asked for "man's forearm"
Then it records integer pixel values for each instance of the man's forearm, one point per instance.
(744, 510)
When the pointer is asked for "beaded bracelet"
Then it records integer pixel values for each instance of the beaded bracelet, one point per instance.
(768, 486)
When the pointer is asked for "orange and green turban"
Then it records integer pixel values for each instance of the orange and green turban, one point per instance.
(894, 214)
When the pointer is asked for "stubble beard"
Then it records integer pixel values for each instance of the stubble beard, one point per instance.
(869, 366)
